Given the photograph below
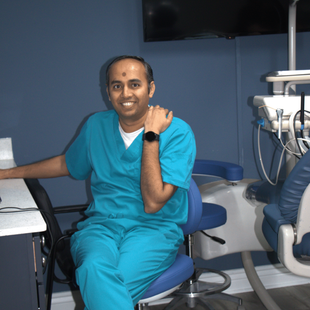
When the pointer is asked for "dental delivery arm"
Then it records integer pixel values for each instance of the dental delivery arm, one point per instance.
(155, 192)
(49, 168)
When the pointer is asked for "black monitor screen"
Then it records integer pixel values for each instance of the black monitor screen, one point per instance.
(193, 19)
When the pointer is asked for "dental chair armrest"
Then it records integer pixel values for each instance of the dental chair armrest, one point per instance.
(230, 172)
(285, 252)
(303, 215)
(274, 217)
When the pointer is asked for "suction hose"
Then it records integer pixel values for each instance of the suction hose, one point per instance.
(256, 283)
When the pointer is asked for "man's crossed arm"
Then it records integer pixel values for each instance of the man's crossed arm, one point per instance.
(155, 192)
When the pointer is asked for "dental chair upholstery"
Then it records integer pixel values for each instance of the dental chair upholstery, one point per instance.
(286, 225)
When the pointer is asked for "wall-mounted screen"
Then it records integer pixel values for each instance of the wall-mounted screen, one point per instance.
(194, 19)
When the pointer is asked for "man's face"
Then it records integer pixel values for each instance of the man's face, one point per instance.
(128, 92)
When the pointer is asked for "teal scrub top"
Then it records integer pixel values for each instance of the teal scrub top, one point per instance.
(99, 150)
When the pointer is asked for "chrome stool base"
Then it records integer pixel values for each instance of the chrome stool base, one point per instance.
(195, 292)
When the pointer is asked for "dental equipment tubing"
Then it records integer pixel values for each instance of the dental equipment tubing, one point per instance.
(285, 148)
(284, 114)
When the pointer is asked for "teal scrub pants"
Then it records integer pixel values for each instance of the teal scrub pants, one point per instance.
(118, 259)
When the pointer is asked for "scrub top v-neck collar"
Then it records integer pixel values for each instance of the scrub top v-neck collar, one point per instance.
(135, 149)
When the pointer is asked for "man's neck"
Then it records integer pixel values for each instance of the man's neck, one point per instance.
(132, 126)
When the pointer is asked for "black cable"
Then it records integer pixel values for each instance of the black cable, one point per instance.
(216, 239)
(302, 113)
(295, 132)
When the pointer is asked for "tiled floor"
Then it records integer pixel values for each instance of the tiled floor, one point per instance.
(287, 298)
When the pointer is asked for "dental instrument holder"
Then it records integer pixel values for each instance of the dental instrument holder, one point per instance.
(289, 104)
(280, 113)
(270, 107)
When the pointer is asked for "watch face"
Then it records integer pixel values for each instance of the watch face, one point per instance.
(150, 136)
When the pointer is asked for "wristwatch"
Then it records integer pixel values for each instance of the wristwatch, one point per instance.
(150, 136)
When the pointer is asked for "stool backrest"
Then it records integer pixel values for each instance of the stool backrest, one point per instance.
(194, 209)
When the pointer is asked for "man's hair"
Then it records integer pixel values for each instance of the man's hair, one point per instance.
(148, 69)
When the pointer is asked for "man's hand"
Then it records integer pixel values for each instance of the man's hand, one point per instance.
(157, 119)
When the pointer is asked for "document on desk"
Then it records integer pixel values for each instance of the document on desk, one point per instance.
(17, 200)
(6, 153)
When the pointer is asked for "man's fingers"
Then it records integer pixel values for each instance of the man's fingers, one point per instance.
(158, 119)
(158, 107)
(170, 116)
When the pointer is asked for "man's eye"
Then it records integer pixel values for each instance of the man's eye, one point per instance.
(116, 86)
(135, 85)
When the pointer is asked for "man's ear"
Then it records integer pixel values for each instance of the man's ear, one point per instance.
(152, 89)
(107, 89)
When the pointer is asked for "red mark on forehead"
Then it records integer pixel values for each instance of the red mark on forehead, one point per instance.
(124, 74)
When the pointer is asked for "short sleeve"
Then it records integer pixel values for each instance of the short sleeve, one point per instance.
(177, 156)
(77, 156)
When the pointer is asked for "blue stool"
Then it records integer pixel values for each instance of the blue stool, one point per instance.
(183, 267)
(181, 280)
(195, 292)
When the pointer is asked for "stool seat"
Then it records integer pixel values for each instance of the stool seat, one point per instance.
(213, 215)
(180, 271)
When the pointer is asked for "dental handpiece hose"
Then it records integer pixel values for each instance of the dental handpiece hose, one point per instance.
(302, 113)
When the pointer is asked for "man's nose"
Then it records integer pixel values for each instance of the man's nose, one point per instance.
(126, 92)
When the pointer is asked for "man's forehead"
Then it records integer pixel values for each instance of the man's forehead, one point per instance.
(126, 66)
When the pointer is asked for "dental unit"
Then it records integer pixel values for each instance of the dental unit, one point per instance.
(287, 115)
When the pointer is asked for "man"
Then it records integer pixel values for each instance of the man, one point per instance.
(140, 159)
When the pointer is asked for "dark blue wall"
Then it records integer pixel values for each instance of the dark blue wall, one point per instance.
(51, 54)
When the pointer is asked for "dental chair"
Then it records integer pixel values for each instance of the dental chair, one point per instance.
(286, 225)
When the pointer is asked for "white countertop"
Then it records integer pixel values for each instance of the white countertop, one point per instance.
(14, 193)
